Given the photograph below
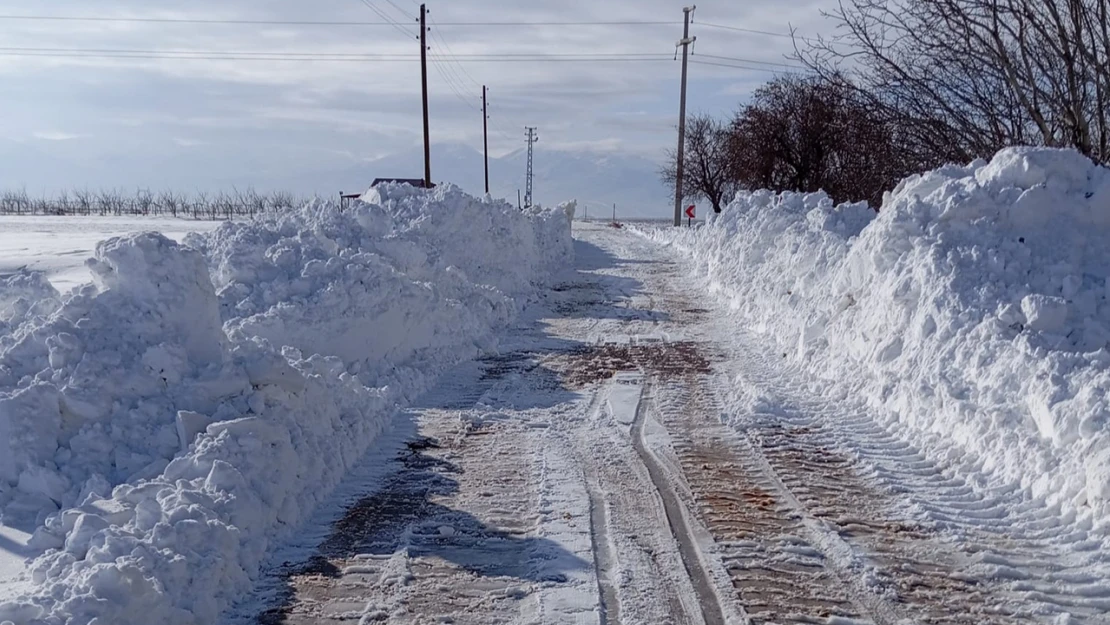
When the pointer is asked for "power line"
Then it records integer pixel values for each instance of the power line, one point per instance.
(755, 61)
(449, 70)
(386, 22)
(450, 65)
(538, 23)
(747, 67)
(402, 11)
(175, 20)
(383, 23)
(451, 84)
(357, 55)
(368, 56)
(499, 128)
(386, 17)
(449, 51)
(745, 30)
(216, 56)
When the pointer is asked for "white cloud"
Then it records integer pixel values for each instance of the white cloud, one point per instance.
(54, 135)
(171, 108)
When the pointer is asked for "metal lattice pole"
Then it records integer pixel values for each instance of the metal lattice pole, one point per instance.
(532, 139)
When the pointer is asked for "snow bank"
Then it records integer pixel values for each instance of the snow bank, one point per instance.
(972, 310)
(162, 426)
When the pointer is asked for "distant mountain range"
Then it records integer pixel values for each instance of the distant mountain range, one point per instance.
(597, 180)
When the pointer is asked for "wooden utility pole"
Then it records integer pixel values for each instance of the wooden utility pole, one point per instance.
(485, 135)
(424, 84)
(685, 43)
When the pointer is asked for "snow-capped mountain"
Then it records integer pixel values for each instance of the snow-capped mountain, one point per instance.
(597, 180)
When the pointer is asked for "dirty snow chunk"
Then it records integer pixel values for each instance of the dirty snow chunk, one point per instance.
(165, 425)
(973, 308)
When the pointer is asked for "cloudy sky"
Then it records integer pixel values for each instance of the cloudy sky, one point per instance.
(67, 117)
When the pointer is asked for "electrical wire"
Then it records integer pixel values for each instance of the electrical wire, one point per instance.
(746, 67)
(386, 22)
(402, 11)
(358, 55)
(459, 93)
(745, 30)
(450, 53)
(400, 28)
(323, 57)
(754, 61)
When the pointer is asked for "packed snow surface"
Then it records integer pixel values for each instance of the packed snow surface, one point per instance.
(971, 311)
(161, 427)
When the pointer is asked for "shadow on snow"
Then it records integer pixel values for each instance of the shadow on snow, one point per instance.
(401, 513)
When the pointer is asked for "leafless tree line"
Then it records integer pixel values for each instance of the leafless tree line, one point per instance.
(113, 202)
(797, 134)
(965, 78)
(904, 86)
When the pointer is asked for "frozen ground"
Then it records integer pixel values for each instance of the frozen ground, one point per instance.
(60, 245)
(631, 456)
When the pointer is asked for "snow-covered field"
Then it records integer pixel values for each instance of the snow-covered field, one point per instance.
(972, 311)
(161, 427)
(59, 246)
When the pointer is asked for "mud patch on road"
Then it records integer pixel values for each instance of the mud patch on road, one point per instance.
(777, 573)
(374, 524)
(598, 363)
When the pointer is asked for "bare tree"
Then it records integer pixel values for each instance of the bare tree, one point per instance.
(200, 202)
(964, 78)
(282, 200)
(706, 170)
(220, 205)
(809, 134)
(170, 202)
(144, 201)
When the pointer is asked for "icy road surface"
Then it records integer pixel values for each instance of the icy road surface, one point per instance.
(596, 472)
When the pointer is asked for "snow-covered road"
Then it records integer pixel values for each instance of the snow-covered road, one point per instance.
(601, 470)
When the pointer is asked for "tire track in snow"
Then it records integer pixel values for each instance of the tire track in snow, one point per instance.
(603, 557)
(448, 536)
(604, 560)
(711, 611)
(926, 543)
(784, 568)
(946, 551)
(645, 569)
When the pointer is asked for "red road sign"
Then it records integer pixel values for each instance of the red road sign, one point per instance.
(690, 211)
